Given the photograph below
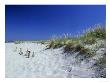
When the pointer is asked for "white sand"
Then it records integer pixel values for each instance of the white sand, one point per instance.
(45, 63)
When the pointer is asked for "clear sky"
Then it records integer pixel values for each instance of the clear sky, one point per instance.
(37, 22)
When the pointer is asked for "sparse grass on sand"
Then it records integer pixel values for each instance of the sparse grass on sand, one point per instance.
(77, 44)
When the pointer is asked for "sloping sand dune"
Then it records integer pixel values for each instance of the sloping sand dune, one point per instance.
(44, 63)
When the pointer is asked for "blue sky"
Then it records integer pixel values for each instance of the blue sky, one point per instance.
(40, 22)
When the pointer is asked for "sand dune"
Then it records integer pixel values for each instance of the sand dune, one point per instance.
(45, 63)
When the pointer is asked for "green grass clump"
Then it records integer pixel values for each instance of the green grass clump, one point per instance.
(55, 44)
(58, 45)
(42, 42)
(98, 32)
(89, 40)
(51, 45)
(72, 47)
(78, 48)
(18, 42)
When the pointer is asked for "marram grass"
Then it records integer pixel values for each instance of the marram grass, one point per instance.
(76, 44)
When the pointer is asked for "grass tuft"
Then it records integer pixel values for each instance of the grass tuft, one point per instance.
(97, 32)
(76, 44)
(89, 40)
